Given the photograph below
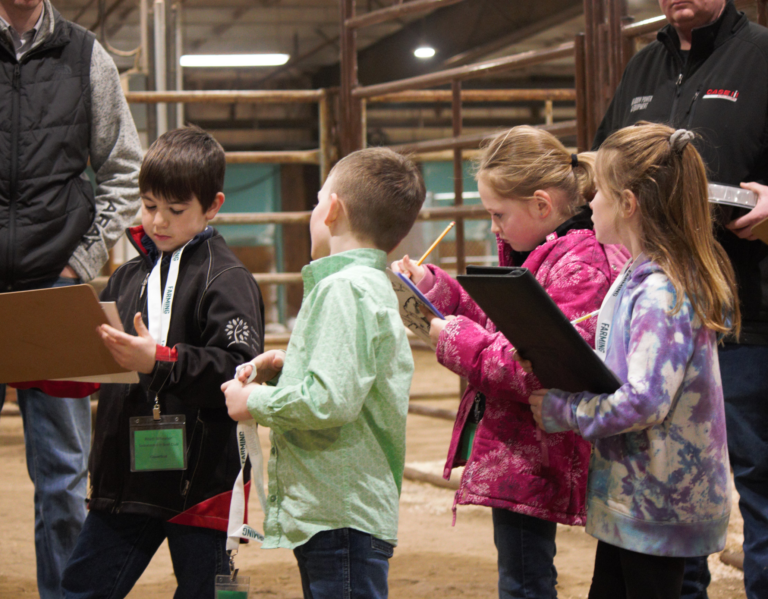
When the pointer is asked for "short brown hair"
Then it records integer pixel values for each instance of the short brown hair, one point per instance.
(182, 164)
(382, 192)
(517, 162)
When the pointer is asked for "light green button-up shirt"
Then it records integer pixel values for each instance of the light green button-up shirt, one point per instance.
(338, 411)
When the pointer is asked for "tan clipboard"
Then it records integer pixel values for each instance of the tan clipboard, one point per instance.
(49, 334)
(760, 230)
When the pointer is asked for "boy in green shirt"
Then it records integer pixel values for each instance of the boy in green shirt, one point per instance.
(338, 411)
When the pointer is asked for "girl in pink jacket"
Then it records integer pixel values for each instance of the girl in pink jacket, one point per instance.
(536, 193)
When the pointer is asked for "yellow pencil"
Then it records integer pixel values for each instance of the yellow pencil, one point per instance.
(583, 318)
(434, 245)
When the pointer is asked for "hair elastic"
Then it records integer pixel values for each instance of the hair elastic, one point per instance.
(574, 161)
(679, 139)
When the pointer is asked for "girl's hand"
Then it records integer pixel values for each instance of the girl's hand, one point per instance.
(524, 364)
(410, 269)
(237, 399)
(536, 399)
(436, 327)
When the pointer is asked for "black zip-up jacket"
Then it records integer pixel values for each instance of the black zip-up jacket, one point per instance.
(721, 93)
(216, 324)
(47, 203)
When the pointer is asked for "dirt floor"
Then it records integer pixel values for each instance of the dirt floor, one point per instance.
(433, 559)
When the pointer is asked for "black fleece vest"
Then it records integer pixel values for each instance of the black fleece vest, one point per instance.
(46, 202)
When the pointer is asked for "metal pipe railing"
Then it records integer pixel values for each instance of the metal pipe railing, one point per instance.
(479, 69)
(425, 96)
(559, 129)
(299, 96)
(394, 12)
(277, 157)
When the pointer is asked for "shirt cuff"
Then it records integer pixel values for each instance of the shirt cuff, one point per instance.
(427, 282)
(257, 404)
(166, 354)
(557, 413)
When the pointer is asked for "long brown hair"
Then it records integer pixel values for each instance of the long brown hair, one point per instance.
(517, 162)
(669, 179)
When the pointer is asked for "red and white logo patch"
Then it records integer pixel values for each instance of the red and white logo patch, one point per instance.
(722, 94)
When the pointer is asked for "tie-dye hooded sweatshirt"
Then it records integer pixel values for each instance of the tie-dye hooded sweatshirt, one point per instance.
(659, 480)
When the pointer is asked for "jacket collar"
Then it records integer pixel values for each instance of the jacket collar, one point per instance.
(54, 32)
(317, 270)
(581, 220)
(147, 249)
(705, 40)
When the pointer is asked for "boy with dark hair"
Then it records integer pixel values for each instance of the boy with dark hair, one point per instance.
(165, 455)
(338, 411)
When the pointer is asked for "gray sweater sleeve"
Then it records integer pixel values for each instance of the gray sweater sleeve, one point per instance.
(116, 154)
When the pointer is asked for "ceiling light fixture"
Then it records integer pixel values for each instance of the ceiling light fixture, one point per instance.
(233, 60)
(424, 52)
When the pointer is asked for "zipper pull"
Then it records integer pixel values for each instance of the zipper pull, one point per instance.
(144, 286)
(679, 81)
(16, 76)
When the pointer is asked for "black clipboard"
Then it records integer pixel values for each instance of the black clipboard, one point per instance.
(525, 314)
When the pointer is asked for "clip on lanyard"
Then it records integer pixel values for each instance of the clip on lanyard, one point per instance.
(159, 442)
(249, 448)
(605, 316)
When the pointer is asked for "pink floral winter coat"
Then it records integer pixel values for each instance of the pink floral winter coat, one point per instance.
(505, 469)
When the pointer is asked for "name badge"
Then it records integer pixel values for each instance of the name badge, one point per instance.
(229, 587)
(158, 443)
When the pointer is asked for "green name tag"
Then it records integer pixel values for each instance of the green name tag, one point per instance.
(232, 588)
(231, 594)
(467, 440)
(158, 444)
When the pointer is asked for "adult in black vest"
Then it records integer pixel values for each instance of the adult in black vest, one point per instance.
(60, 105)
(708, 71)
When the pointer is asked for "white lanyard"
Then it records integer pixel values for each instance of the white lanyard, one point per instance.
(248, 444)
(160, 302)
(605, 317)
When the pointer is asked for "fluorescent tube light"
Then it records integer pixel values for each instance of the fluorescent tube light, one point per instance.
(233, 60)
(424, 52)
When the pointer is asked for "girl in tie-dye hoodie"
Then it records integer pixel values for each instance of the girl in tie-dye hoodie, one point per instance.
(659, 482)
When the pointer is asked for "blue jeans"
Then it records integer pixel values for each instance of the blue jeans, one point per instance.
(344, 564)
(57, 435)
(114, 550)
(526, 547)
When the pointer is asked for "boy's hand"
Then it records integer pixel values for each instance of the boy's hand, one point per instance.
(268, 365)
(536, 399)
(131, 352)
(237, 399)
(524, 364)
(436, 327)
(409, 268)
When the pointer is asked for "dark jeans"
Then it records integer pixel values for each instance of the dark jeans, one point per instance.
(114, 550)
(620, 573)
(744, 369)
(344, 564)
(526, 555)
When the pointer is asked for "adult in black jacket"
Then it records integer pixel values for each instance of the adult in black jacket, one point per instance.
(708, 71)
